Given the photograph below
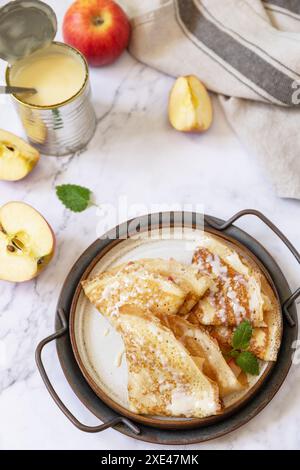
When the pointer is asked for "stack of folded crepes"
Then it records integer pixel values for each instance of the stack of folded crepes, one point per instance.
(177, 323)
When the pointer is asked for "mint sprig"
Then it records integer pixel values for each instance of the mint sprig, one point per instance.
(74, 197)
(246, 360)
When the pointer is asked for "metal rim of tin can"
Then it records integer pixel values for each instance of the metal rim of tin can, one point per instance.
(62, 103)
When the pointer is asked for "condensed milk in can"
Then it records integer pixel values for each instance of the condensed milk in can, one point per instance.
(59, 119)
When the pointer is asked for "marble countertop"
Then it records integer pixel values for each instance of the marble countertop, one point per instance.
(134, 155)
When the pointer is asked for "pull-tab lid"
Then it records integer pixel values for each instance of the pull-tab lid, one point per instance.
(25, 26)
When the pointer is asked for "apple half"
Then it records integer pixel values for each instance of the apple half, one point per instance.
(190, 107)
(17, 157)
(26, 242)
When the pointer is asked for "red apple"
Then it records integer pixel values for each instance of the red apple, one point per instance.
(99, 29)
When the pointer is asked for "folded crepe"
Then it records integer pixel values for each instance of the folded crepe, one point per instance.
(178, 320)
(237, 289)
(132, 284)
(163, 378)
(187, 277)
(164, 286)
(200, 345)
(265, 341)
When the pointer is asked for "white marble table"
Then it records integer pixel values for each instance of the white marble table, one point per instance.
(134, 154)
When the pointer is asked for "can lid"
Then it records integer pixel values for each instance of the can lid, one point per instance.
(25, 26)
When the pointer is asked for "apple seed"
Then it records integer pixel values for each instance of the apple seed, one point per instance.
(17, 244)
(11, 248)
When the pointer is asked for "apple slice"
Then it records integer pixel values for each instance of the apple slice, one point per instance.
(190, 108)
(17, 157)
(26, 242)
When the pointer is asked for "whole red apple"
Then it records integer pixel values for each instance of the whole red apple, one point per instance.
(99, 29)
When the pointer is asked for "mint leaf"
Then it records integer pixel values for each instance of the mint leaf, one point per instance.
(234, 353)
(74, 197)
(248, 362)
(242, 335)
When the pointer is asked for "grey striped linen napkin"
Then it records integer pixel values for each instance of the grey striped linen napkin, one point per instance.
(247, 51)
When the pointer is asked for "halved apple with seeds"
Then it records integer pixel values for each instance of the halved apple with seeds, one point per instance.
(26, 242)
(190, 108)
(17, 157)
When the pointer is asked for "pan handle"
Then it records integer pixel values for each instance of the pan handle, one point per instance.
(38, 358)
(288, 302)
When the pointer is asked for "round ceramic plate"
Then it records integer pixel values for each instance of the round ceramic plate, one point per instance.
(241, 415)
(99, 349)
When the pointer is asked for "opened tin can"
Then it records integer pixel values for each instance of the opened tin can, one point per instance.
(59, 119)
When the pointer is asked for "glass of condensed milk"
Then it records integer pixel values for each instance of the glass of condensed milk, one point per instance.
(59, 118)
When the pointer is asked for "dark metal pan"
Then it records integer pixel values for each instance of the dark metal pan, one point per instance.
(217, 426)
